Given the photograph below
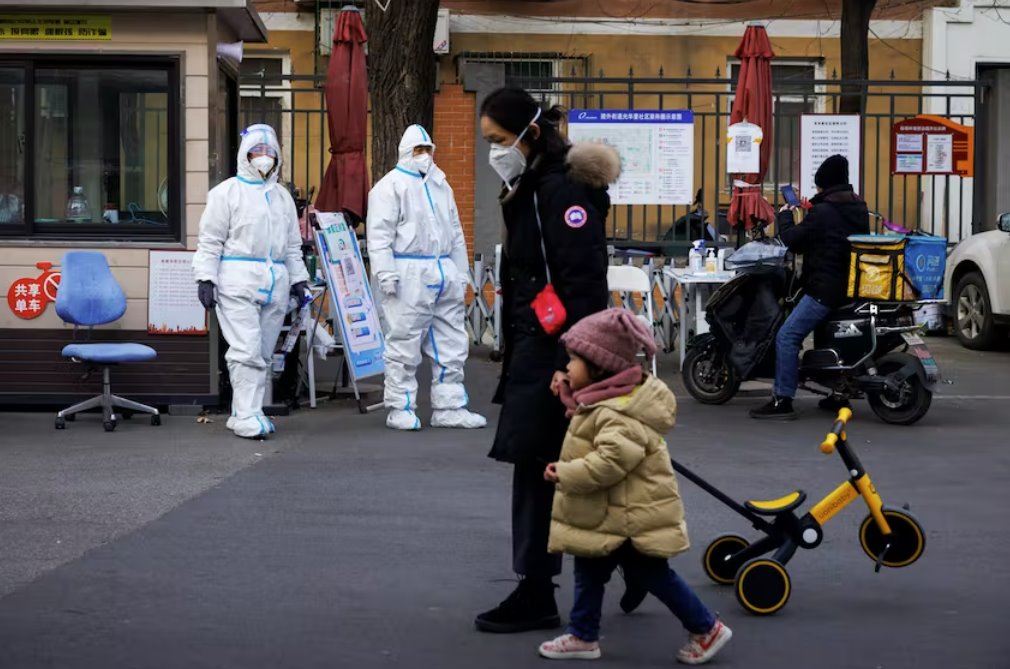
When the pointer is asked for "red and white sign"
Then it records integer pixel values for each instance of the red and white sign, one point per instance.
(932, 145)
(28, 297)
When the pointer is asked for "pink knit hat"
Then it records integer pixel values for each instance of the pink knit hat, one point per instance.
(610, 339)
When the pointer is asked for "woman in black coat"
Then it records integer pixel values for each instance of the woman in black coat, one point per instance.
(567, 187)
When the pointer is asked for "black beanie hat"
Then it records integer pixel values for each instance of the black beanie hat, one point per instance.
(833, 172)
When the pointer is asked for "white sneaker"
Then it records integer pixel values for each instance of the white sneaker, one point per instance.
(460, 418)
(398, 419)
(700, 648)
(570, 647)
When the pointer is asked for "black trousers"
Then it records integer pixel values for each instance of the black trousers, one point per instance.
(532, 497)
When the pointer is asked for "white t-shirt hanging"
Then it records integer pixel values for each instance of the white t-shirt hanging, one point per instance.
(743, 148)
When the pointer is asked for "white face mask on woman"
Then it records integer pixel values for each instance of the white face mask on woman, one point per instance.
(264, 164)
(422, 162)
(508, 161)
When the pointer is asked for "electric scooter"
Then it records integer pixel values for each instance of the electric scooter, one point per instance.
(869, 350)
(890, 537)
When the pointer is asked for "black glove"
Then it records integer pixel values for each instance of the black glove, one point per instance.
(205, 290)
(300, 291)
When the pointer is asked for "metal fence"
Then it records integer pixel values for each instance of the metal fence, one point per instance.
(941, 205)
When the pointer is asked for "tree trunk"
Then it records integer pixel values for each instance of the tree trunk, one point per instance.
(401, 74)
(855, 42)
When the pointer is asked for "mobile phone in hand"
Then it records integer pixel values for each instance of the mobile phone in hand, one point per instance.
(789, 195)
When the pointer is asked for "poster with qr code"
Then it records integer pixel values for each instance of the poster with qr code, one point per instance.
(743, 148)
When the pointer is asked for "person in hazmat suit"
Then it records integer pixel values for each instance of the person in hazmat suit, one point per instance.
(420, 263)
(248, 261)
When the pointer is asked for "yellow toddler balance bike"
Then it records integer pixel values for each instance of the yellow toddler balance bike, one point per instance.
(889, 537)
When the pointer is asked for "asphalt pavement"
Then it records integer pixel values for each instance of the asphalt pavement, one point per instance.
(339, 543)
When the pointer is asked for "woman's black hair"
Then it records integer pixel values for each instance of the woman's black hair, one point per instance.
(514, 109)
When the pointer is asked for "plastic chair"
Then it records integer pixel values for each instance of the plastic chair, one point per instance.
(88, 296)
(631, 279)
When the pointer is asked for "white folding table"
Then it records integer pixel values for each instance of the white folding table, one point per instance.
(692, 303)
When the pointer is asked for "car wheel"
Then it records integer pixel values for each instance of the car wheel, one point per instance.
(973, 322)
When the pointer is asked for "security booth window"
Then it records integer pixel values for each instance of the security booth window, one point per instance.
(92, 150)
(12, 148)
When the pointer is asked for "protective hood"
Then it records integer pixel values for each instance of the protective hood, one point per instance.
(413, 136)
(251, 136)
(651, 403)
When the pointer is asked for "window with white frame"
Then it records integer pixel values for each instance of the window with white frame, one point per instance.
(795, 94)
(265, 97)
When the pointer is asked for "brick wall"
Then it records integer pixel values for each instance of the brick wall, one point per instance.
(455, 126)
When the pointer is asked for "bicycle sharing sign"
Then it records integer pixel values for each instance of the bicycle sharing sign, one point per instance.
(28, 297)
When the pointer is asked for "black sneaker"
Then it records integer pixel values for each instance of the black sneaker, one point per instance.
(531, 606)
(833, 403)
(778, 408)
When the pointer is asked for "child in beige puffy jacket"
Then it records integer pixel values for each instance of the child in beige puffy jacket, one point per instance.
(616, 503)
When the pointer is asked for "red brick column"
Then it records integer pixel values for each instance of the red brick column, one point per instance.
(454, 131)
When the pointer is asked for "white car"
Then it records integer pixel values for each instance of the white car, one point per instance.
(977, 287)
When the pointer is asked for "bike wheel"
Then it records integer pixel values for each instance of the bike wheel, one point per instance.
(708, 375)
(717, 560)
(907, 540)
(763, 586)
(903, 406)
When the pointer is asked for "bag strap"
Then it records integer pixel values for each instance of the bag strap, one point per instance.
(540, 227)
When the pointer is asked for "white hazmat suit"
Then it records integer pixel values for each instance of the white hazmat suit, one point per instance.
(419, 260)
(250, 248)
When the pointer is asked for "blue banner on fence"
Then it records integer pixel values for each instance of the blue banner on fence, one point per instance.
(630, 116)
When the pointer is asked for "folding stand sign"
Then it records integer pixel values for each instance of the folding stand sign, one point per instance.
(355, 319)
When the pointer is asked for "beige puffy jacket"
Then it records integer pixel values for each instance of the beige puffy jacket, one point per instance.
(615, 480)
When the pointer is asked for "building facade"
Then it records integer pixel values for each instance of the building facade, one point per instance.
(674, 55)
(127, 110)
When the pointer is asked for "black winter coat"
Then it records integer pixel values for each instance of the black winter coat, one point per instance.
(822, 239)
(574, 204)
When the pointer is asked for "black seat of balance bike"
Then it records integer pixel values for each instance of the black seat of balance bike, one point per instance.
(774, 507)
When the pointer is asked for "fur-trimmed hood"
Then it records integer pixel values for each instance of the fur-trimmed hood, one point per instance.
(597, 165)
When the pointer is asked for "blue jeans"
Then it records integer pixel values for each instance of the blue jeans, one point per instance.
(653, 574)
(801, 322)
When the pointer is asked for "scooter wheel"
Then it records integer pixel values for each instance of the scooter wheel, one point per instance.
(708, 375)
(762, 586)
(907, 540)
(907, 404)
(718, 561)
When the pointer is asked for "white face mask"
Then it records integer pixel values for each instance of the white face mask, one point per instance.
(263, 164)
(422, 162)
(508, 161)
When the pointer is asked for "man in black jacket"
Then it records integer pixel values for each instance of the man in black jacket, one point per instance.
(822, 238)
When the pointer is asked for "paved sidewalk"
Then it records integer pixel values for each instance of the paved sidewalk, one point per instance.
(342, 544)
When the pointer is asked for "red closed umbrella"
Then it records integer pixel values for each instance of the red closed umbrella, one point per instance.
(753, 103)
(345, 186)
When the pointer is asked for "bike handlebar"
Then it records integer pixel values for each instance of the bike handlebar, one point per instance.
(828, 445)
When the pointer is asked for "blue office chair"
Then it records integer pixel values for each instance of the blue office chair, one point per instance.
(88, 296)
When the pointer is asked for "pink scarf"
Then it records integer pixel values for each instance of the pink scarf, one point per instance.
(619, 384)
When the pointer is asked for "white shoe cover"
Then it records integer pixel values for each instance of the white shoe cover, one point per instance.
(398, 419)
(460, 418)
(254, 427)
